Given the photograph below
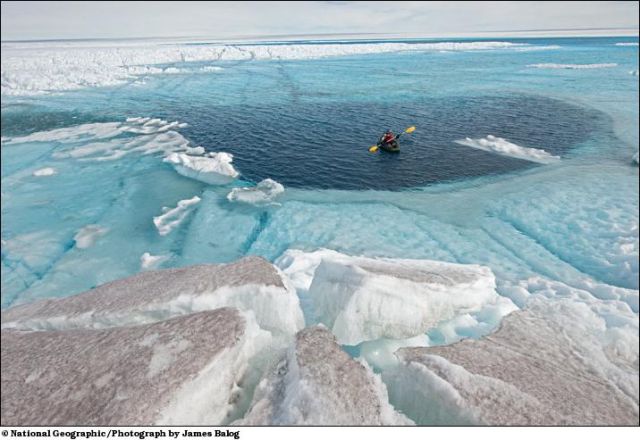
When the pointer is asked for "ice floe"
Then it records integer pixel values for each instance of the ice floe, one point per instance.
(573, 66)
(263, 193)
(172, 218)
(214, 169)
(48, 171)
(319, 384)
(498, 145)
(626, 44)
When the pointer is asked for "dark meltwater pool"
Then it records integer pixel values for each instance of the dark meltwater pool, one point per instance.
(326, 145)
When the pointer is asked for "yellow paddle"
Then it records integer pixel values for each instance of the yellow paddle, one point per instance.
(374, 148)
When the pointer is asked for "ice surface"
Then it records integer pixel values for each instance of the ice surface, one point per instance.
(363, 299)
(501, 146)
(556, 363)
(148, 261)
(566, 234)
(573, 66)
(107, 174)
(179, 371)
(109, 140)
(590, 226)
(171, 218)
(319, 384)
(48, 171)
(36, 69)
(263, 193)
(87, 236)
(251, 284)
(214, 169)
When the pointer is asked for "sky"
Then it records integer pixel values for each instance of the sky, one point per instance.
(27, 20)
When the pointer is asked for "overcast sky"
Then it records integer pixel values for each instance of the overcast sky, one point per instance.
(53, 20)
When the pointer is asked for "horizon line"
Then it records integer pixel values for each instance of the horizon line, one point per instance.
(328, 34)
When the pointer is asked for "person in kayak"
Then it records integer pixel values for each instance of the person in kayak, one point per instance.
(388, 138)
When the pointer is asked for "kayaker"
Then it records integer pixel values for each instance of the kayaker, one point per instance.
(387, 137)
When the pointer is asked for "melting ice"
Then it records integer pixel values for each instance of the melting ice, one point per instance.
(511, 211)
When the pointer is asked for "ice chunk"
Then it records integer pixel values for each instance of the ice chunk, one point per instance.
(148, 261)
(573, 66)
(553, 364)
(88, 235)
(319, 384)
(214, 170)
(635, 157)
(250, 284)
(181, 371)
(626, 44)
(503, 147)
(48, 171)
(172, 218)
(111, 140)
(362, 299)
(263, 193)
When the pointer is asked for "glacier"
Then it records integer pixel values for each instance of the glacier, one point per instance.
(215, 204)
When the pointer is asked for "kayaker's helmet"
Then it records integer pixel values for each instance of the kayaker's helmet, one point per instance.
(388, 131)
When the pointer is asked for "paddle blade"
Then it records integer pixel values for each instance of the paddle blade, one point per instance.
(373, 149)
(410, 130)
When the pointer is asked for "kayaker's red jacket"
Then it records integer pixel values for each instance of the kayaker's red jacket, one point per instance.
(387, 138)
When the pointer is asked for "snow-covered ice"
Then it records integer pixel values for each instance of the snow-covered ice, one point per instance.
(263, 193)
(172, 217)
(214, 169)
(54, 68)
(105, 141)
(319, 384)
(148, 261)
(523, 374)
(178, 371)
(501, 146)
(363, 299)
(48, 171)
(250, 284)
